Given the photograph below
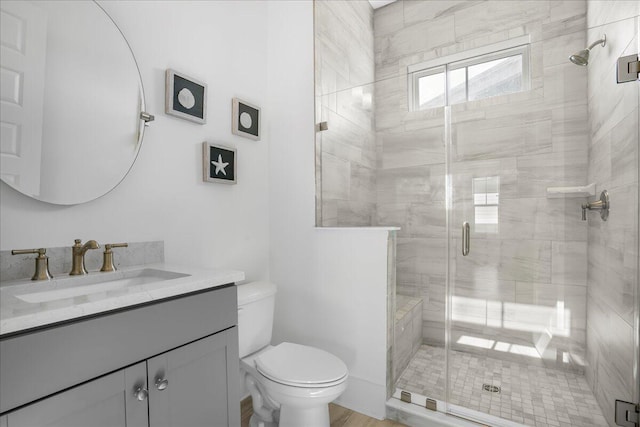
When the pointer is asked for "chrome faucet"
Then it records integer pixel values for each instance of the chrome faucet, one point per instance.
(78, 251)
(601, 205)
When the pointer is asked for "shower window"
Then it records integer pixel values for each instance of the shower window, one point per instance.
(486, 195)
(430, 85)
(470, 79)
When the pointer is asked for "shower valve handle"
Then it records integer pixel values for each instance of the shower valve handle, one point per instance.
(601, 205)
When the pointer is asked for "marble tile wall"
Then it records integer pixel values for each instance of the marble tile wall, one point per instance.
(521, 294)
(346, 152)
(613, 245)
(408, 332)
(15, 267)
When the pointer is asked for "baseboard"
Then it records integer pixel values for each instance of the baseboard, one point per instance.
(364, 397)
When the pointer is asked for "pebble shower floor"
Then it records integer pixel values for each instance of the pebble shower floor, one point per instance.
(530, 395)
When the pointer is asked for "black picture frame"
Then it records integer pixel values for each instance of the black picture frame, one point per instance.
(185, 97)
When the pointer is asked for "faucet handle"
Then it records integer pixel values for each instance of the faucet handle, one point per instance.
(108, 246)
(42, 262)
(107, 260)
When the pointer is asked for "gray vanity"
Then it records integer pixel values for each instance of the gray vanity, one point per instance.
(153, 346)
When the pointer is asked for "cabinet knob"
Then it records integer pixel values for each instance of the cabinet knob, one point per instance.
(141, 393)
(161, 383)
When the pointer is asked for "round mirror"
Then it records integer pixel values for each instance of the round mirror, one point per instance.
(72, 99)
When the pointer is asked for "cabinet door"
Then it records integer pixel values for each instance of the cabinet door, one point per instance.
(105, 401)
(196, 385)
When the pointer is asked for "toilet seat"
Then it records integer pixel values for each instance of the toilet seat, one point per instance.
(301, 366)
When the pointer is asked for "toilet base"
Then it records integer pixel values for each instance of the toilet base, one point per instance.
(317, 416)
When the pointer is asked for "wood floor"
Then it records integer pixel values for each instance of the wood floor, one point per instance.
(339, 417)
(343, 417)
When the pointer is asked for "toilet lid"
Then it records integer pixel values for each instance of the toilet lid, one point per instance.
(300, 365)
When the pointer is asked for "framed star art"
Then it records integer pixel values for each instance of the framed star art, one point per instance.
(218, 163)
(185, 97)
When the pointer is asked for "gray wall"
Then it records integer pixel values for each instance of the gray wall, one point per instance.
(509, 289)
(345, 154)
(613, 245)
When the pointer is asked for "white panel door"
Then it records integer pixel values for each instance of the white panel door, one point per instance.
(23, 28)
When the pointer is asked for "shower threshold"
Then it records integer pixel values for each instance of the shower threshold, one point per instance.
(415, 414)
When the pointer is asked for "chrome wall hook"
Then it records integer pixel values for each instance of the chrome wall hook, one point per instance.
(601, 205)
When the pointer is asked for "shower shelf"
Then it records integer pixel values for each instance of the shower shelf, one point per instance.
(569, 192)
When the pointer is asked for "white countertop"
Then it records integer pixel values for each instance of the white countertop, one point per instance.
(17, 315)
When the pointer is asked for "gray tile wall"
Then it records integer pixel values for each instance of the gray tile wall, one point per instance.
(612, 245)
(523, 288)
(346, 152)
(15, 267)
(408, 332)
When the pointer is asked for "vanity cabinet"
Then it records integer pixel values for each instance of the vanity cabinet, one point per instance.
(189, 386)
(106, 401)
(176, 364)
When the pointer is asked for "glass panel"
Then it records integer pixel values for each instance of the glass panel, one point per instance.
(431, 91)
(493, 78)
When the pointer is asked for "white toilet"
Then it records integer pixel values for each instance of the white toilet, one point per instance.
(291, 385)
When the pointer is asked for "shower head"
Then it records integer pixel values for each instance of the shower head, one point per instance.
(582, 57)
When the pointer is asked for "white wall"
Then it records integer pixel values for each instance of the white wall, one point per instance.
(222, 43)
(332, 283)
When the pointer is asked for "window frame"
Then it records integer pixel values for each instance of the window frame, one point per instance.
(414, 85)
(465, 60)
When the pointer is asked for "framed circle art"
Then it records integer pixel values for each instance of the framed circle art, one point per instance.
(185, 97)
(246, 120)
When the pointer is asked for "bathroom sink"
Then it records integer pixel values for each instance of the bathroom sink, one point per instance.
(96, 283)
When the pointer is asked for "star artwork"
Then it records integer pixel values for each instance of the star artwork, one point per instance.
(219, 163)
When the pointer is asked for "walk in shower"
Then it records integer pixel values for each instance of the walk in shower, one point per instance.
(465, 124)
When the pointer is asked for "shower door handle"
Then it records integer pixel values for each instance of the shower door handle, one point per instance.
(466, 238)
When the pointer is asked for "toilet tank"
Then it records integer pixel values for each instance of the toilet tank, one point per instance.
(255, 316)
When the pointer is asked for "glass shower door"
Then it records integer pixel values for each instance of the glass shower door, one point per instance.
(542, 306)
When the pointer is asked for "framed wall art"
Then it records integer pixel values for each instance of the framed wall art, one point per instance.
(185, 97)
(245, 119)
(218, 163)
